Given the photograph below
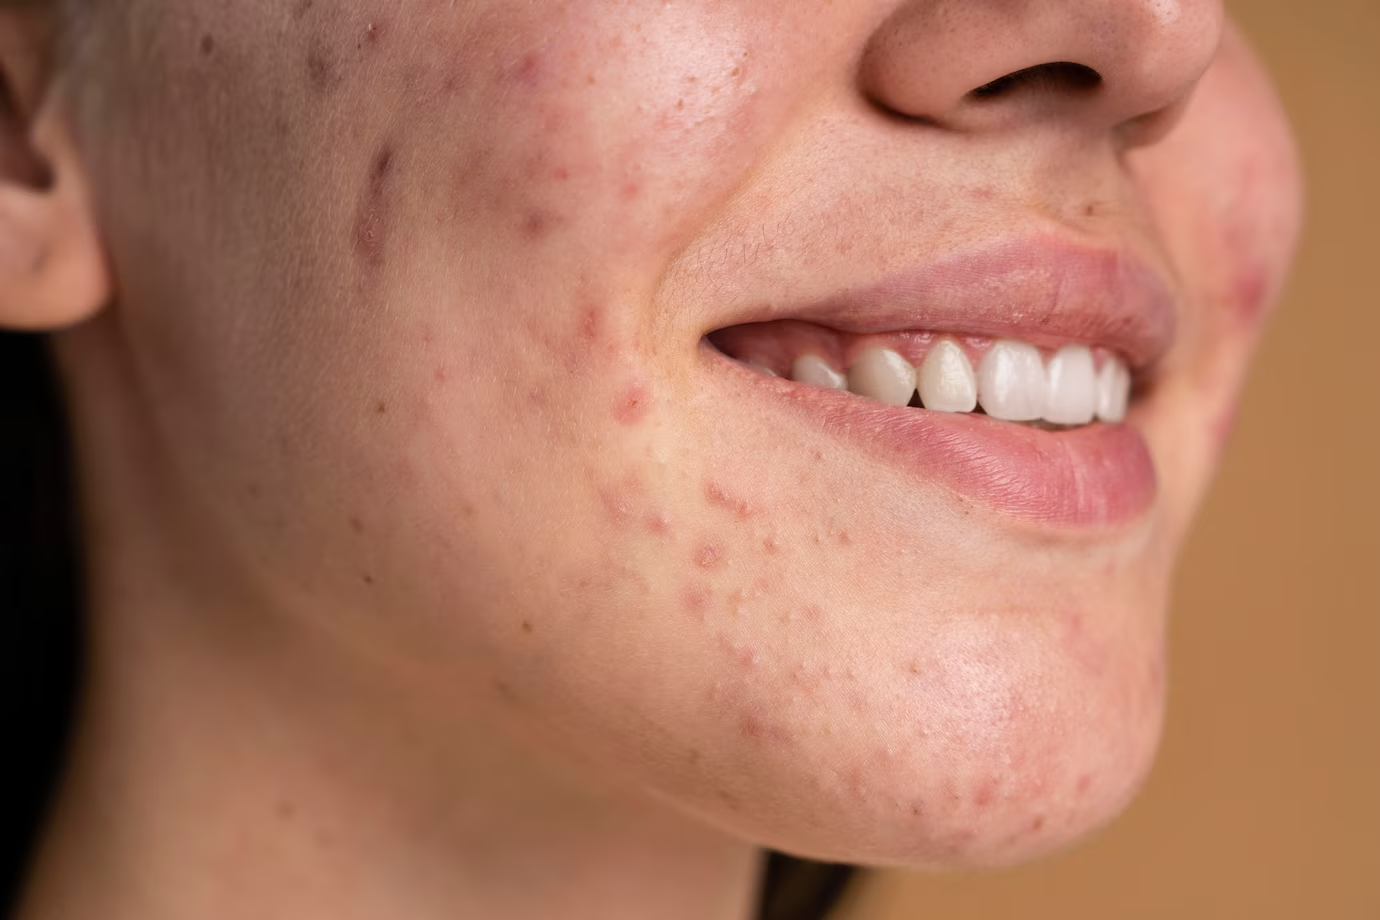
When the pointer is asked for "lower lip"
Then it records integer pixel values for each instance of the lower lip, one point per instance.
(1095, 476)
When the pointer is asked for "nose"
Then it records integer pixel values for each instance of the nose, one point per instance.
(1125, 66)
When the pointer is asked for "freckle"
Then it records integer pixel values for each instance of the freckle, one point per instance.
(381, 408)
(504, 690)
(729, 799)
(632, 404)
(527, 626)
(693, 756)
(356, 524)
(255, 490)
(286, 810)
(208, 44)
(680, 103)
(367, 578)
(707, 556)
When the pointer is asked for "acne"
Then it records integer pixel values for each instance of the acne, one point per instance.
(718, 497)
(708, 556)
(632, 404)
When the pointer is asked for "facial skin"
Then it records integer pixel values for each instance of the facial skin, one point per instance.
(403, 359)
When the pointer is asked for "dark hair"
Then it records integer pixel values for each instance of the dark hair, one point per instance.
(40, 592)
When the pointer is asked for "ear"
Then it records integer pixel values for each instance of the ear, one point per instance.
(53, 271)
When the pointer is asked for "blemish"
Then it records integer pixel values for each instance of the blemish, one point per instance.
(208, 45)
(845, 539)
(367, 578)
(1038, 824)
(527, 626)
(707, 556)
(286, 810)
(591, 320)
(771, 545)
(658, 522)
(985, 794)
(371, 220)
(1084, 783)
(356, 525)
(381, 408)
(441, 375)
(632, 404)
(301, 8)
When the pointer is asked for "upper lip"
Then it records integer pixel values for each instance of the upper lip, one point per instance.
(1044, 289)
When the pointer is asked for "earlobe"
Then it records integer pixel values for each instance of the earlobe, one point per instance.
(53, 271)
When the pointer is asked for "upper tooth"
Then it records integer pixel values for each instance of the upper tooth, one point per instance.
(1113, 391)
(882, 374)
(946, 380)
(1073, 389)
(1011, 382)
(815, 371)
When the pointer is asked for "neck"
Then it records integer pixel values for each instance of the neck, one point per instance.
(216, 776)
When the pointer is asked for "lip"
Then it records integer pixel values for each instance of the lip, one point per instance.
(1041, 290)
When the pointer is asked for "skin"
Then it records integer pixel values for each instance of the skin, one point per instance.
(436, 571)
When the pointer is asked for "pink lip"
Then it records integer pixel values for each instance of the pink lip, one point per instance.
(1043, 291)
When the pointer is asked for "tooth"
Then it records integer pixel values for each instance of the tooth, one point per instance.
(761, 369)
(1113, 390)
(882, 374)
(946, 380)
(1011, 382)
(815, 371)
(1073, 389)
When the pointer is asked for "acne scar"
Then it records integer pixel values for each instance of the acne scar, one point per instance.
(323, 67)
(371, 219)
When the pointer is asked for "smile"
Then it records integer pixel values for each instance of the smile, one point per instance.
(1023, 403)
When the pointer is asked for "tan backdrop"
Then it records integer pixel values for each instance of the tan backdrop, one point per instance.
(1265, 802)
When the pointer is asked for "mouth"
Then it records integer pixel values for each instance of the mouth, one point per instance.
(1012, 375)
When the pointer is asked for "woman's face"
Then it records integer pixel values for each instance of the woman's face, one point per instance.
(424, 307)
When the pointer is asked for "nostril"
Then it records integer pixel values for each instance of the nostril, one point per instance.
(1058, 76)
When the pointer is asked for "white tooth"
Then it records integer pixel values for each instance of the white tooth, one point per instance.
(1073, 387)
(1113, 390)
(1011, 382)
(882, 374)
(815, 371)
(946, 380)
(761, 368)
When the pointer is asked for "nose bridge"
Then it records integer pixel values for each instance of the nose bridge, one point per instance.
(966, 64)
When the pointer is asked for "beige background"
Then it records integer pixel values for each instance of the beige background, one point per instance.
(1265, 802)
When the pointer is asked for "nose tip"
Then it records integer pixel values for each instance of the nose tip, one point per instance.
(971, 65)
